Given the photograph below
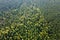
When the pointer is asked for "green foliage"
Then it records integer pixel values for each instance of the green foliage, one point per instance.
(26, 23)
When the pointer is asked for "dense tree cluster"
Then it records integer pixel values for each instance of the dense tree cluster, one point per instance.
(26, 23)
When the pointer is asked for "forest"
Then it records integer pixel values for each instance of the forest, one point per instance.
(30, 20)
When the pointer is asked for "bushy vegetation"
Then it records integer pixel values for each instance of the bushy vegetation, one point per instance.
(26, 23)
